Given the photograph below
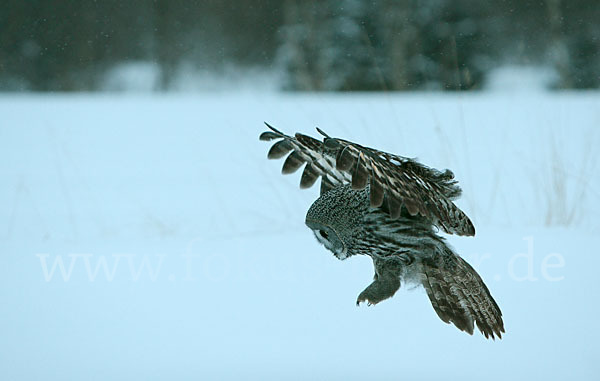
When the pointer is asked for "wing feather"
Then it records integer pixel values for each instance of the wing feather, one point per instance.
(376, 192)
(292, 163)
(394, 181)
(459, 296)
(280, 149)
(309, 176)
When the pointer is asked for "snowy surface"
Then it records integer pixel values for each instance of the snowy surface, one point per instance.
(144, 77)
(518, 79)
(184, 254)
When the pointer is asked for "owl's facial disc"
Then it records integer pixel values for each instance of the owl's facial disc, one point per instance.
(329, 238)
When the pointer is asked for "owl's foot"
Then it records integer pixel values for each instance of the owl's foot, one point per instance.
(382, 288)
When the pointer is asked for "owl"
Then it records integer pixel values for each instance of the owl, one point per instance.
(390, 208)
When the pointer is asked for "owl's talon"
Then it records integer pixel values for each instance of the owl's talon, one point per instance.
(362, 299)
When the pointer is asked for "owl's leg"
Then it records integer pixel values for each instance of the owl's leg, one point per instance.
(385, 284)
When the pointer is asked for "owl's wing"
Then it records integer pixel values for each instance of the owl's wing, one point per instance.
(459, 296)
(305, 149)
(397, 180)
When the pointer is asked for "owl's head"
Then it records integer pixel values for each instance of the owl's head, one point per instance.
(336, 219)
(329, 238)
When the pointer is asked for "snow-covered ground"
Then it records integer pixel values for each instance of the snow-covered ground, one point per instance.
(148, 237)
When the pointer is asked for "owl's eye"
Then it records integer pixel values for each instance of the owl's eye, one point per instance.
(323, 233)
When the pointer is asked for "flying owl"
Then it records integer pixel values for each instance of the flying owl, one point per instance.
(389, 207)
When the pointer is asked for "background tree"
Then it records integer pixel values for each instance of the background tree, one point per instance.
(343, 45)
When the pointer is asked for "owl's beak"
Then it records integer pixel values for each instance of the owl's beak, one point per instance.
(341, 255)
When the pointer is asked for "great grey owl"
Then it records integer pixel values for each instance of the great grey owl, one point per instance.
(389, 208)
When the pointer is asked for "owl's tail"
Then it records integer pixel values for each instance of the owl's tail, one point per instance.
(459, 296)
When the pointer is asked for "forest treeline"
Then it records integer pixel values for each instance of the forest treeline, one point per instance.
(317, 45)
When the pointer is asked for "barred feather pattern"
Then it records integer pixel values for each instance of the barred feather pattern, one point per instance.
(396, 182)
(457, 293)
(459, 296)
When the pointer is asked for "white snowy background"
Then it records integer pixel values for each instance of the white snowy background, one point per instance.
(147, 237)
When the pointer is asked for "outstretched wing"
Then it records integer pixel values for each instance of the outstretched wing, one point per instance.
(398, 181)
(459, 296)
